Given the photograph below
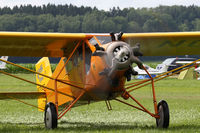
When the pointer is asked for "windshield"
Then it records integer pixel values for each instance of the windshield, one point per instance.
(102, 39)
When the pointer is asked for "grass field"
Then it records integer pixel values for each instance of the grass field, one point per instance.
(183, 97)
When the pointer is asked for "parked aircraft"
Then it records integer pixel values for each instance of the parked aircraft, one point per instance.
(167, 65)
(161, 68)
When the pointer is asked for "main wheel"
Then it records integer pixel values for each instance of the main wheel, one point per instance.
(50, 116)
(163, 112)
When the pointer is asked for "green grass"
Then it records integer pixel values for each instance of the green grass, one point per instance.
(183, 97)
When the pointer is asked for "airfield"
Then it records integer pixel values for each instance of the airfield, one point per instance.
(183, 97)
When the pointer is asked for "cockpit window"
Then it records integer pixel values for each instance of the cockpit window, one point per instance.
(93, 41)
(102, 39)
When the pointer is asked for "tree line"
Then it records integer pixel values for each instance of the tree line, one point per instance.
(70, 18)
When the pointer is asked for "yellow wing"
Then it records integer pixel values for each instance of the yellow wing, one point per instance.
(61, 44)
(166, 44)
(39, 44)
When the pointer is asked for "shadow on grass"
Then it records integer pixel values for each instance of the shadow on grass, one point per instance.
(185, 127)
(8, 127)
(90, 126)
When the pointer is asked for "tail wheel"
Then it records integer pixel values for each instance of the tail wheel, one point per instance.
(50, 116)
(163, 112)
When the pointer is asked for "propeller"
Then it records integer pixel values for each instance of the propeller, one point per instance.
(116, 36)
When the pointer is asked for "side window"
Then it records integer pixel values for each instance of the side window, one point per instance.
(88, 54)
(75, 59)
(80, 54)
(69, 65)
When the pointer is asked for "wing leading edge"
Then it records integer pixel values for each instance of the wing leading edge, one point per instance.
(39, 44)
(166, 44)
(61, 44)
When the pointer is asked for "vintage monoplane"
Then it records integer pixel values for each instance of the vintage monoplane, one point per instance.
(93, 67)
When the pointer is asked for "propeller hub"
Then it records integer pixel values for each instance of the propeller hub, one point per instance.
(121, 53)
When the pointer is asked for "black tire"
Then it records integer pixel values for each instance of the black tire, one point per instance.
(50, 116)
(163, 112)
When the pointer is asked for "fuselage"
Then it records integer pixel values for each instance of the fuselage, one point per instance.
(108, 65)
(98, 66)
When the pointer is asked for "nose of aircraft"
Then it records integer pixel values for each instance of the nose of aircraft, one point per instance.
(121, 56)
(121, 53)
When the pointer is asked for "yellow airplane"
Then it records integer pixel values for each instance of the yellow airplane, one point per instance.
(93, 67)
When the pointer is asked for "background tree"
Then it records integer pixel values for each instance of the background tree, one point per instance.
(70, 18)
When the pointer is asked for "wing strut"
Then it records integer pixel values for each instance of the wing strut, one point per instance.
(68, 107)
(11, 97)
(59, 80)
(137, 85)
(34, 83)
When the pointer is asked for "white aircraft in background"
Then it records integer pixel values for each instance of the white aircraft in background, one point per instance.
(161, 68)
(167, 65)
(3, 64)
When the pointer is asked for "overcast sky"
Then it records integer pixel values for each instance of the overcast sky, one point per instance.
(103, 4)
